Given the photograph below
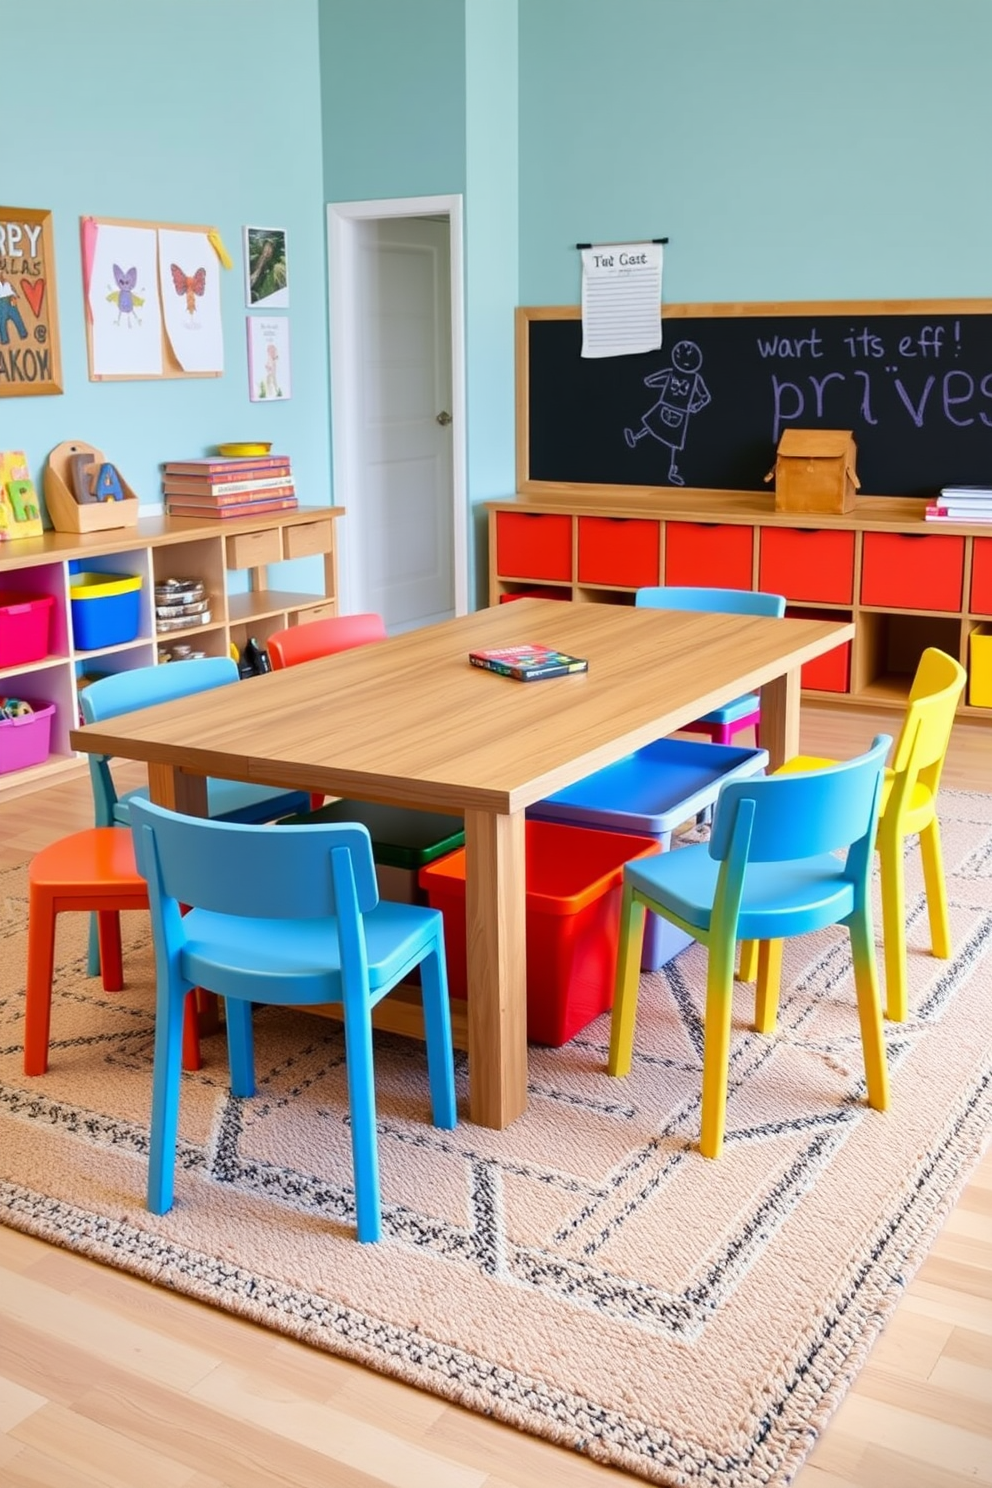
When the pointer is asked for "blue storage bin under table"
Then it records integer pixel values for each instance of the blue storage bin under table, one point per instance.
(652, 792)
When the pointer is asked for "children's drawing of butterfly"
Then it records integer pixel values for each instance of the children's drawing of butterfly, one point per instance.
(123, 296)
(190, 285)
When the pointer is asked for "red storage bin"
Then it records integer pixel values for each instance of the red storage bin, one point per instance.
(903, 571)
(25, 627)
(574, 879)
(623, 551)
(981, 576)
(536, 592)
(716, 554)
(830, 672)
(533, 545)
(807, 563)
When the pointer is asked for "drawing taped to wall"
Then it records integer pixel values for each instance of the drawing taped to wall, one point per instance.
(266, 271)
(683, 393)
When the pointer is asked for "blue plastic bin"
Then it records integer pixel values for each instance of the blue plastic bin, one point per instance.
(650, 793)
(106, 609)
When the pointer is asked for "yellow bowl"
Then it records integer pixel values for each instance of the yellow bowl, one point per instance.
(254, 448)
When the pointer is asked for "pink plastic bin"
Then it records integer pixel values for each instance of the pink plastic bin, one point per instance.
(26, 741)
(574, 881)
(25, 625)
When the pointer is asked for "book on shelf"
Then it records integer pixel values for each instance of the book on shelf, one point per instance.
(218, 465)
(206, 484)
(528, 663)
(236, 492)
(219, 512)
(942, 513)
(965, 493)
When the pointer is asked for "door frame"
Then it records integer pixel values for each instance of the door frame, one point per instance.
(344, 223)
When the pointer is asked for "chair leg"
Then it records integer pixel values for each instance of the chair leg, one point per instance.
(869, 1011)
(437, 1027)
(933, 878)
(240, 1046)
(361, 1102)
(165, 1102)
(627, 984)
(38, 999)
(716, 1046)
(111, 957)
(769, 984)
(93, 950)
(748, 971)
(191, 1034)
(893, 883)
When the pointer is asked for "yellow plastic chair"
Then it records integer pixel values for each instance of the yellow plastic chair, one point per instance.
(909, 805)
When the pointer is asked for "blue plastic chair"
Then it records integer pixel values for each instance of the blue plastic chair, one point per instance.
(289, 918)
(731, 718)
(769, 871)
(143, 687)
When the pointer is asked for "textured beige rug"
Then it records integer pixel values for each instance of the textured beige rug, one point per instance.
(584, 1275)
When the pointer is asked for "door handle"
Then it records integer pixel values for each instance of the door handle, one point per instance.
(444, 418)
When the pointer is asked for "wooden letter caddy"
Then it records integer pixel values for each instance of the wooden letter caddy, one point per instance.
(815, 471)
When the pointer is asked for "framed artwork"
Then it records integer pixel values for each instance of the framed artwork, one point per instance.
(29, 326)
(266, 271)
(269, 378)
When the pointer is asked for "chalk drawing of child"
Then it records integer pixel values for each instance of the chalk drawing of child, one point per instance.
(683, 392)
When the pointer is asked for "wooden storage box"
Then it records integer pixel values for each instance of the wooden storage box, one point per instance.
(815, 471)
(66, 513)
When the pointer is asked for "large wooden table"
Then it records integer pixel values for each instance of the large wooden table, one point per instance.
(409, 721)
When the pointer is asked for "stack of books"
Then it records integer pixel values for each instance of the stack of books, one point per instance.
(218, 487)
(962, 504)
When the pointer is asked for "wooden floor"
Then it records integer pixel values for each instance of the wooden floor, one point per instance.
(109, 1382)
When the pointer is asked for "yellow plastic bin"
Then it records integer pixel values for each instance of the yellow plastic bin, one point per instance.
(980, 669)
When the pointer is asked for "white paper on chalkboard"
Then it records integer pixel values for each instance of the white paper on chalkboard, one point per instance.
(621, 299)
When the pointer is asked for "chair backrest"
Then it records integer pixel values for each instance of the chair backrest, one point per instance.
(926, 731)
(799, 814)
(251, 871)
(143, 687)
(315, 638)
(716, 601)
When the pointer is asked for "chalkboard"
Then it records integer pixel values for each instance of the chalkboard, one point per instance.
(912, 379)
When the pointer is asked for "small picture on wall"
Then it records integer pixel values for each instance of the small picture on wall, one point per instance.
(266, 271)
(268, 358)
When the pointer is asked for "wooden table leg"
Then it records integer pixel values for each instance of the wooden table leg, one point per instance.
(495, 924)
(779, 727)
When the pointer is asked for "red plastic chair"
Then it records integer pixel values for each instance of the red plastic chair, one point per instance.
(93, 870)
(316, 638)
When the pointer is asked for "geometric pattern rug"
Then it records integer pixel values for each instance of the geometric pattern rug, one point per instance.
(585, 1275)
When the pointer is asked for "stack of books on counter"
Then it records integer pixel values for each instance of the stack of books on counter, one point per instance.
(962, 504)
(218, 487)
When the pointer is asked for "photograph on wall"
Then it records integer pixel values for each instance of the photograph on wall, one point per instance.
(120, 272)
(266, 273)
(29, 327)
(189, 279)
(268, 358)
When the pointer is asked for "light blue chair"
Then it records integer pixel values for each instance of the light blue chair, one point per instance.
(144, 687)
(769, 871)
(291, 918)
(744, 712)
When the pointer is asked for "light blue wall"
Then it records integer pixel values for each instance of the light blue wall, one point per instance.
(789, 149)
(207, 115)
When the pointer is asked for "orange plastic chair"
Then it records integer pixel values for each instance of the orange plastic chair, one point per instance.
(315, 638)
(92, 871)
(909, 807)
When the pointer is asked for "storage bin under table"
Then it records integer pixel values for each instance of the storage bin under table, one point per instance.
(574, 883)
(652, 792)
(403, 840)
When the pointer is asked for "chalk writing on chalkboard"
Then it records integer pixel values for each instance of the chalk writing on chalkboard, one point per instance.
(914, 386)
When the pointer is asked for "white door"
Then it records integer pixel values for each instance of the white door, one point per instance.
(403, 566)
